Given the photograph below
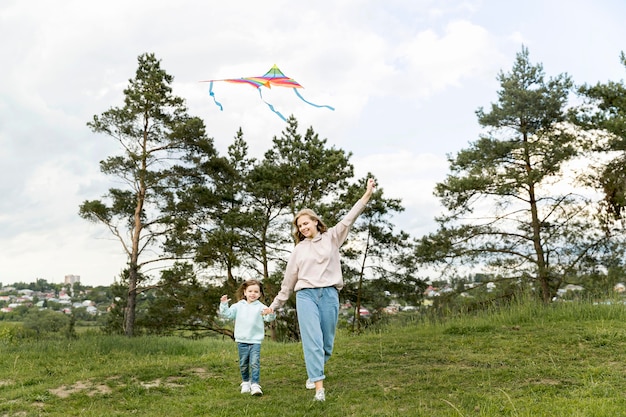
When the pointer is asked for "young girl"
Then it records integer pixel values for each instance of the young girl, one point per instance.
(249, 331)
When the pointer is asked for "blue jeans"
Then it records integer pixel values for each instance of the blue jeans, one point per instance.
(250, 361)
(318, 311)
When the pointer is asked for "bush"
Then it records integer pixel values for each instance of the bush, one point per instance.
(45, 321)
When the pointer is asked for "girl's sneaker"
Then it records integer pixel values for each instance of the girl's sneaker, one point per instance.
(310, 384)
(255, 389)
(245, 387)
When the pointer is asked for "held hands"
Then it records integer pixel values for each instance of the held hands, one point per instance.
(266, 311)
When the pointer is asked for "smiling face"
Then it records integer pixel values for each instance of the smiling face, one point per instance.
(252, 293)
(307, 226)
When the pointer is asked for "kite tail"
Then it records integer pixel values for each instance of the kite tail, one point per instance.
(271, 107)
(312, 104)
(212, 94)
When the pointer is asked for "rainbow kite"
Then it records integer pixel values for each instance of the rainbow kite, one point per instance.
(274, 77)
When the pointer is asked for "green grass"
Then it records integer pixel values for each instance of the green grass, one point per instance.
(528, 360)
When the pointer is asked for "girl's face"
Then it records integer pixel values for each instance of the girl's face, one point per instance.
(252, 293)
(307, 226)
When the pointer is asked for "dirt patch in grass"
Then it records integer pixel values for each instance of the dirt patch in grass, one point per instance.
(169, 382)
(91, 388)
(199, 372)
(18, 414)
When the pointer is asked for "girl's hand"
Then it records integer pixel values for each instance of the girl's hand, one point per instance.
(224, 299)
(266, 311)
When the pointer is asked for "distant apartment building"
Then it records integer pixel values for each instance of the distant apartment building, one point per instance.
(71, 279)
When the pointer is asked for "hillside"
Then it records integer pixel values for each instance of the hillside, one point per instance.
(529, 360)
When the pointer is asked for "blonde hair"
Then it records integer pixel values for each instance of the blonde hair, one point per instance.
(321, 227)
(242, 288)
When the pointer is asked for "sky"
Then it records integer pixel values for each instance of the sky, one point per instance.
(405, 78)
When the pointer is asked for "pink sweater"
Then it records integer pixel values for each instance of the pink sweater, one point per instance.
(315, 263)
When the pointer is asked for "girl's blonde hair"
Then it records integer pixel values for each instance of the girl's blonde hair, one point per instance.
(242, 288)
(321, 227)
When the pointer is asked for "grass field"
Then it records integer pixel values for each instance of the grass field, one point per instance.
(528, 360)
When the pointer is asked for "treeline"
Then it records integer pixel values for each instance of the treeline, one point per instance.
(538, 198)
(207, 221)
(518, 205)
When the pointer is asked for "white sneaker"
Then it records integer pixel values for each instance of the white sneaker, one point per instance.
(319, 395)
(255, 389)
(310, 384)
(245, 387)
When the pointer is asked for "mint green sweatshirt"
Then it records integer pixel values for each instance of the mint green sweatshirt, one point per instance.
(249, 323)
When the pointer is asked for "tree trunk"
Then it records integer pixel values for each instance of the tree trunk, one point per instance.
(542, 273)
(129, 317)
(357, 315)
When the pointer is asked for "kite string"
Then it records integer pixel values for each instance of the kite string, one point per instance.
(271, 107)
(212, 94)
(312, 104)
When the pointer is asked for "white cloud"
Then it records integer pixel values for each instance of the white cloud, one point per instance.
(403, 76)
(435, 62)
(411, 178)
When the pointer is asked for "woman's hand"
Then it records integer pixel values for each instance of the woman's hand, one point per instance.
(266, 311)
(371, 184)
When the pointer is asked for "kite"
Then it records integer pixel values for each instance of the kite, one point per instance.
(273, 77)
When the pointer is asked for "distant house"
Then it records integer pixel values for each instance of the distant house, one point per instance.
(569, 288)
(431, 292)
(391, 309)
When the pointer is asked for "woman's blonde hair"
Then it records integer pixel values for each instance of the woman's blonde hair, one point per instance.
(321, 227)
(242, 288)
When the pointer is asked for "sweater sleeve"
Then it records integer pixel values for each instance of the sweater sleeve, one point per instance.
(341, 229)
(289, 282)
(227, 312)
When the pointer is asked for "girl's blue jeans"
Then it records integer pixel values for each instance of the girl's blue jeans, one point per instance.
(318, 311)
(250, 361)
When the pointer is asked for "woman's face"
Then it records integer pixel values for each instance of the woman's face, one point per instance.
(307, 226)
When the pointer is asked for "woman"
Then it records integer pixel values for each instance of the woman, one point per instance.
(314, 273)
